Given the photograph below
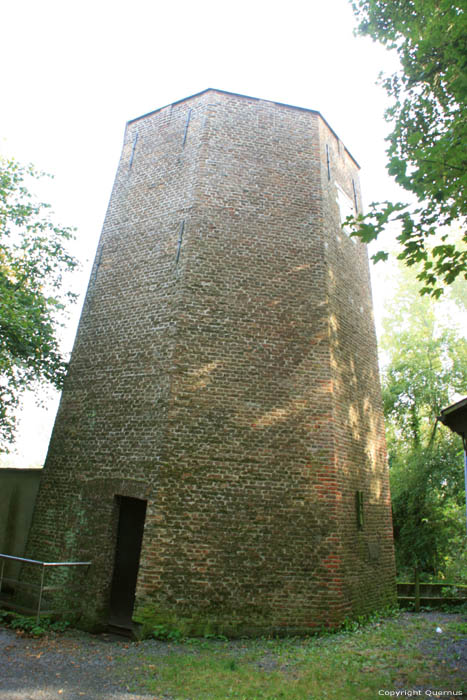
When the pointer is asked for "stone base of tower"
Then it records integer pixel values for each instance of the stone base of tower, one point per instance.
(252, 621)
(261, 565)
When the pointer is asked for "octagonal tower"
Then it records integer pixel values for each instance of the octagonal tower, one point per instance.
(219, 448)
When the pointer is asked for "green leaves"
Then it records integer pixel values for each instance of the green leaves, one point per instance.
(426, 363)
(33, 260)
(426, 488)
(426, 151)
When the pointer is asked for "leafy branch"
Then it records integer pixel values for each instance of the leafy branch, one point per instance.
(426, 151)
(33, 264)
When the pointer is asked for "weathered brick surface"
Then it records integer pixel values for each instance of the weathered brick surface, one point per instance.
(225, 370)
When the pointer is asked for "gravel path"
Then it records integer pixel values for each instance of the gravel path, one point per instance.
(72, 666)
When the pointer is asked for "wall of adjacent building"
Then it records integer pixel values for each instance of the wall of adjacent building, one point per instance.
(18, 491)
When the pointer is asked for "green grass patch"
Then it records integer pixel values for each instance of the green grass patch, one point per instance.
(355, 664)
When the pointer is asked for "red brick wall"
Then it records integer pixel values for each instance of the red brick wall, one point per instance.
(367, 558)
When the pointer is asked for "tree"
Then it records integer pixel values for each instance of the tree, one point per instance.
(428, 507)
(427, 154)
(426, 363)
(33, 261)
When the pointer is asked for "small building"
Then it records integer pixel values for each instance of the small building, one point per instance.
(455, 418)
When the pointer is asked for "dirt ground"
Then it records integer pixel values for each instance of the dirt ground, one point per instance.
(73, 666)
(79, 666)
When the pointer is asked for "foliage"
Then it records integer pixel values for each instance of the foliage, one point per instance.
(427, 360)
(455, 559)
(426, 152)
(426, 364)
(358, 622)
(426, 485)
(33, 261)
(30, 626)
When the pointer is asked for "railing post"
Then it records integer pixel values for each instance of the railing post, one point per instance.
(417, 589)
(39, 602)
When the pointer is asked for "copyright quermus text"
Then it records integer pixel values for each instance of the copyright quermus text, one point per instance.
(420, 693)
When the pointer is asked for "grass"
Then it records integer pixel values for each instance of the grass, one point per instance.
(395, 654)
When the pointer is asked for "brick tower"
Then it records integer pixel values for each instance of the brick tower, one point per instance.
(219, 448)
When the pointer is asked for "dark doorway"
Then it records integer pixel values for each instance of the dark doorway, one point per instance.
(131, 514)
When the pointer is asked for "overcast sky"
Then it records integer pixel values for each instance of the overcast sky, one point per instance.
(74, 72)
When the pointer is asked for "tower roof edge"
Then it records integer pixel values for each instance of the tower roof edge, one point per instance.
(246, 97)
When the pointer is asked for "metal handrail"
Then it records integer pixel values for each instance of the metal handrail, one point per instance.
(44, 565)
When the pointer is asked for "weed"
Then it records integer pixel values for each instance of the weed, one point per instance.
(30, 626)
(460, 628)
(353, 624)
(169, 625)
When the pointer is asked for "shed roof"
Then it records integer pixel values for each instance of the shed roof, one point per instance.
(455, 417)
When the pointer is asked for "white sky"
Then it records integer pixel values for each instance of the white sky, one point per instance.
(74, 72)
